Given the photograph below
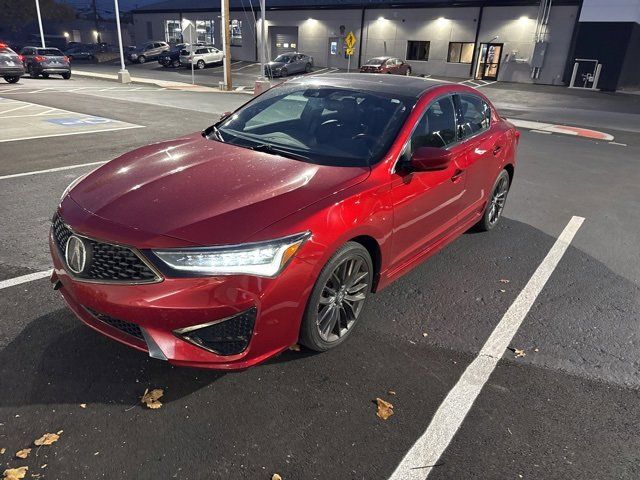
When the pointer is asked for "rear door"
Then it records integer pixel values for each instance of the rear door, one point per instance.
(427, 204)
(482, 141)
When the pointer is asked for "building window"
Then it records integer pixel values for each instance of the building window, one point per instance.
(204, 30)
(460, 52)
(235, 26)
(172, 31)
(149, 31)
(418, 50)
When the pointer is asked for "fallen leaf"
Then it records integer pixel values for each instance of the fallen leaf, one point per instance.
(385, 409)
(519, 353)
(2, 450)
(15, 473)
(296, 348)
(425, 334)
(536, 349)
(150, 398)
(391, 392)
(47, 439)
(276, 477)
(502, 290)
(504, 280)
(83, 405)
(24, 453)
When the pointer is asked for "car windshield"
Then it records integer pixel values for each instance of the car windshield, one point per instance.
(283, 58)
(49, 52)
(323, 125)
(375, 61)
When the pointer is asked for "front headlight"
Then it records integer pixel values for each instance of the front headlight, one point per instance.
(264, 259)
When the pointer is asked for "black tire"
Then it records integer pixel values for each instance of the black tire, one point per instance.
(175, 64)
(142, 59)
(200, 64)
(408, 74)
(90, 57)
(32, 74)
(351, 259)
(495, 204)
(307, 68)
(12, 79)
(284, 72)
(66, 76)
(45, 75)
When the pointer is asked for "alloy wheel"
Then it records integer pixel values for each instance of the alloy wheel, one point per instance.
(498, 200)
(342, 298)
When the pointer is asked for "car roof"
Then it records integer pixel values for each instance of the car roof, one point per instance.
(389, 84)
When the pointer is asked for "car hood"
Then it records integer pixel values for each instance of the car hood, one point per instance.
(206, 192)
(275, 64)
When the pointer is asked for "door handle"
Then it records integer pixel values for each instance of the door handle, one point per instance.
(457, 176)
(496, 149)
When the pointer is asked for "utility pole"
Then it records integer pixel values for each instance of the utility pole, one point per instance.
(262, 83)
(40, 23)
(95, 19)
(226, 44)
(123, 74)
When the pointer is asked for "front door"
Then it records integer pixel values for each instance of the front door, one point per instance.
(489, 61)
(426, 204)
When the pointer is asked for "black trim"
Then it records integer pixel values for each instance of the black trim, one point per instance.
(474, 60)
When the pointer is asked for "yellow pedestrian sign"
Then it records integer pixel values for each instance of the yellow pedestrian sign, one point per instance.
(350, 40)
(350, 51)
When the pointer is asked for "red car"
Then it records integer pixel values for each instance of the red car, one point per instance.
(223, 248)
(386, 65)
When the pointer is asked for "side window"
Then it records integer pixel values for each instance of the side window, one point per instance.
(475, 113)
(391, 62)
(437, 127)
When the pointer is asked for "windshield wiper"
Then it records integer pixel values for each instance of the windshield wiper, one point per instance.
(268, 148)
(216, 133)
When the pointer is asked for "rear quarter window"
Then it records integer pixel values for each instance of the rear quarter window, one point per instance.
(475, 113)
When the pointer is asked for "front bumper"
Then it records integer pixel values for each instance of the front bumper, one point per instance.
(167, 312)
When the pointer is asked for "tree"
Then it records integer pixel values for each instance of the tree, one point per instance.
(15, 14)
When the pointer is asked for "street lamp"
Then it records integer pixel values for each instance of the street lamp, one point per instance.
(40, 23)
(123, 74)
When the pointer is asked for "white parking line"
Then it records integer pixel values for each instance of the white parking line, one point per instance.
(246, 66)
(17, 108)
(24, 279)
(425, 453)
(128, 127)
(50, 170)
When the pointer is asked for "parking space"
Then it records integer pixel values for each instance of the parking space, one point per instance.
(564, 408)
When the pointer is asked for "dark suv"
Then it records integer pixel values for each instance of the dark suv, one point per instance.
(46, 61)
(11, 67)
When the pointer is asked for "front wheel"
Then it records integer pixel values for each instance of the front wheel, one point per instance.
(338, 298)
(45, 75)
(307, 68)
(32, 74)
(495, 204)
(284, 72)
(12, 79)
(200, 64)
(408, 73)
(66, 75)
(142, 59)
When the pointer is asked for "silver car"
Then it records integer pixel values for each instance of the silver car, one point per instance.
(289, 63)
(150, 51)
(202, 57)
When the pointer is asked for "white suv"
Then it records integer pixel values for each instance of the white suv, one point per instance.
(202, 57)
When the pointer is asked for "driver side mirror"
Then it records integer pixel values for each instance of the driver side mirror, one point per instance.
(430, 159)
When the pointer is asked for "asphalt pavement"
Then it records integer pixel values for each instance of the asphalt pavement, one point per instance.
(568, 408)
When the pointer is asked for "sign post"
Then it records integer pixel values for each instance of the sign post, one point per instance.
(188, 28)
(350, 40)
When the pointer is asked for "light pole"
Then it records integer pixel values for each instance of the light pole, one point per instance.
(123, 74)
(262, 83)
(187, 25)
(226, 42)
(40, 23)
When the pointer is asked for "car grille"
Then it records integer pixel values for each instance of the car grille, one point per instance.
(125, 327)
(229, 337)
(107, 262)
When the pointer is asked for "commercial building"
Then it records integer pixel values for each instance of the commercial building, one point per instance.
(533, 41)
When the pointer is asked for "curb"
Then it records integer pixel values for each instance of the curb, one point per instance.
(169, 85)
(562, 129)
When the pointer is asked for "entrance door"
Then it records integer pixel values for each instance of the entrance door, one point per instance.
(336, 53)
(489, 61)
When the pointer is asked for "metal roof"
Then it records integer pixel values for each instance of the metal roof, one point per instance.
(214, 5)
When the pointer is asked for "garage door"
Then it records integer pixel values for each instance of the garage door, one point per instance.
(283, 40)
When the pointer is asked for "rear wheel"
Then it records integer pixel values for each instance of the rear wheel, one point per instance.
(408, 73)
(338, 298)
(307, 67)
(200, 64)
(12, 79)
(175, 63)
(45, 75)
(66, 75)
(495, 204)
(32, 74)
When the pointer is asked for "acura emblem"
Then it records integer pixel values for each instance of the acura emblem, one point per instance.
(76, 254)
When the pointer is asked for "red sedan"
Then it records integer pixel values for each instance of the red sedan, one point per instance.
(386, 65)
(275, 225)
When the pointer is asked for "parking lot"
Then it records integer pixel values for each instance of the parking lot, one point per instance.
(565, 405)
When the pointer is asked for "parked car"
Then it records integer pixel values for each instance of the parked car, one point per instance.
(386, 65)
(171, 58)
(275, 225)
(81, 52)
(288, 63)
(11, 68)
(202, 56)
(149, 51)
(45, 61)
